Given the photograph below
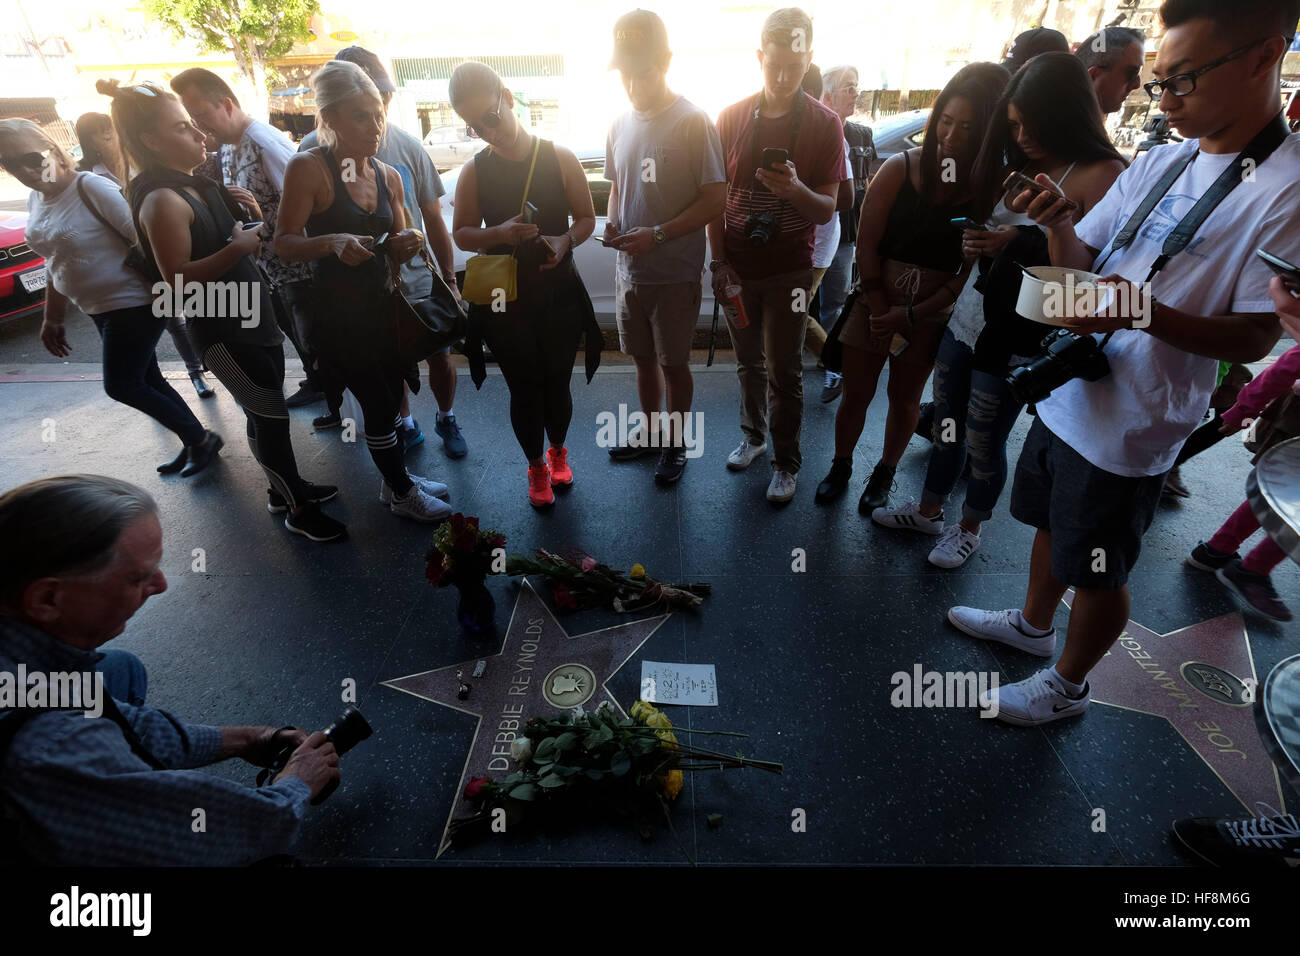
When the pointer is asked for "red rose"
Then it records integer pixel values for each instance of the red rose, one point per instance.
(475, 787)
(434, 570)
(564, 598)
(499, 541)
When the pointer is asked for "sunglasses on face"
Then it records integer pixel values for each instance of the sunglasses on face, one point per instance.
(1183, 84)
(490, 120)
(25, 161)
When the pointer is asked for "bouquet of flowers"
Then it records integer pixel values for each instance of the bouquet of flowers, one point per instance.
(584, 582)
(598, 763)
(461, 552)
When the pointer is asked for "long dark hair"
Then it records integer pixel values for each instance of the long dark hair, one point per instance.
(1056, 101)
(88, 125)
(980, 85)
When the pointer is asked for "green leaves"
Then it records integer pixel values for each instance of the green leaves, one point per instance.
(621, 764)
(551, 781)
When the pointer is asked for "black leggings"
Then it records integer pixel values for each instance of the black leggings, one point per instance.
(380, 404)
(254, 375)
(535, 353)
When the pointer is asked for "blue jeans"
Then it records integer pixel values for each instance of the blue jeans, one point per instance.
(973, 411)
(131, 374)
(125, 678)
(835, 284)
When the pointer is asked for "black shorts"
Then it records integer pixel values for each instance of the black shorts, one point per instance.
(1095, 517)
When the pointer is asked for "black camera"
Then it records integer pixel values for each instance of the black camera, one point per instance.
(345, 733)
(1066, 356)
(762, 228)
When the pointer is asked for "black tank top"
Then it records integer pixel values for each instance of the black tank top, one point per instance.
(368, 279)
(214, 221)
(501, 193)
(919, 231)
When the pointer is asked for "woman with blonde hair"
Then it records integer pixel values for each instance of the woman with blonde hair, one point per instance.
(342, 211)
(190, 227)
(82, 226)
(534, 338)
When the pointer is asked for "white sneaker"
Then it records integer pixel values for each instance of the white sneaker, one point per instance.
(744, 455)
(1037, 700)
(1002, 627)
(435, 488)
(908, 517)
(956, 544)
(781, 487)
(419, 505)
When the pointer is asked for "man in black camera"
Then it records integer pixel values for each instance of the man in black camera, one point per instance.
(763, 242)
(79, 554)
(1189, 290)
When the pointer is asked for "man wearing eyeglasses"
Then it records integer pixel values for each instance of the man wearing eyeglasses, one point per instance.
(1095, 460)
(1113, 57)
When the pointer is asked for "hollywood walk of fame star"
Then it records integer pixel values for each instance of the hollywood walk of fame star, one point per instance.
(1202, 680)
(540, 670)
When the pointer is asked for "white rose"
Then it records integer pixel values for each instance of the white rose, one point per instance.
(521, 749)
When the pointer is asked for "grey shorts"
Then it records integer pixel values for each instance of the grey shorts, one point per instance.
(657, 320)
(1096, 518)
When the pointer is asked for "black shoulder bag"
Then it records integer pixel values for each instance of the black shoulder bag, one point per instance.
(429, 324)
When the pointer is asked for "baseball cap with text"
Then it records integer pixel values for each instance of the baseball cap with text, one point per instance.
(640, 39)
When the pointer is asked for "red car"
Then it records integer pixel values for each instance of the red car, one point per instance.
(22, 271)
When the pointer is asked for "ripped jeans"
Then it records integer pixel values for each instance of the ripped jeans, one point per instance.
(973, 411)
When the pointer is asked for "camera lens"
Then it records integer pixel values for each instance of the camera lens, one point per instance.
(348, 731)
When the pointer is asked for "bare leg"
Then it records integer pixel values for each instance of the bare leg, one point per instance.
(861, 376)
(1045, 591)
(1097, 619)
(680, 388)
(442, 381)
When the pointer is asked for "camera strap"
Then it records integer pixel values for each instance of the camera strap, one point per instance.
(1256, 152)
(797, 108)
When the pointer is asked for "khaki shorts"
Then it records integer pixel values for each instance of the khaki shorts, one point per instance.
(657, 320)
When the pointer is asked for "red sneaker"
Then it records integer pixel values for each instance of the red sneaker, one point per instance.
(539, 486)
(558, 461)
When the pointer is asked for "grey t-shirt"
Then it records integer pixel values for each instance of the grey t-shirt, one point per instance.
(420, 184)
(658, 164)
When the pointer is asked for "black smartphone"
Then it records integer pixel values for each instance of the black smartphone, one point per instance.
(1290, 273)
(774, 156)
(530, 213)
(966, 222)
(1018, 182)
(257, 222)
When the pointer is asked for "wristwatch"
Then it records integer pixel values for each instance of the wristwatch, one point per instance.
(660, 236)
(714, 263)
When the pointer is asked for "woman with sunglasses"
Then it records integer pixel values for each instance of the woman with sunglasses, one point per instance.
(102, 154)
(1048, 121)
(190, 227)
(342, 211)
(534, 338)
(84, 265)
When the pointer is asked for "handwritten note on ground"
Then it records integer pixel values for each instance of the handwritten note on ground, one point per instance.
(693, 685)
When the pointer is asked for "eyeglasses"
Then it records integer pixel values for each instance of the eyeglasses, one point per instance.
(490, 120)
(1182, 84)
(25, 161)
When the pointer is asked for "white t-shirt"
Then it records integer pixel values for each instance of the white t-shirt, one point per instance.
(826, 238)
(1134, 421)
(83, 258)
(967, 320)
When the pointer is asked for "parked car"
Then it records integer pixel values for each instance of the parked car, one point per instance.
(22, 271)
(595, 262)
(451, 146)
(894, 134)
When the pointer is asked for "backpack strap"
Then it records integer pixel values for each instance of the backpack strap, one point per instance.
(85, 198)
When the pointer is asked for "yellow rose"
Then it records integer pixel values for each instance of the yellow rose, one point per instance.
(637, 572)
(672, 783)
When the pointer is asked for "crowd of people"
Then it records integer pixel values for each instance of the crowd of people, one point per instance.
(917, 268)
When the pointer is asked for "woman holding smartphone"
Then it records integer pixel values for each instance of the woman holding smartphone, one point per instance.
(910, 260)
(534, 338)
(1047, 122)
(190, 227)
(349, 205)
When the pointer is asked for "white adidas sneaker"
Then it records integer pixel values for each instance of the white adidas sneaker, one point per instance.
(956, 544)
(1037, 700)
(908, 517)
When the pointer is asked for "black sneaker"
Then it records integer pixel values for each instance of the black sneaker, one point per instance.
(1205, 558)
(879, 485)
(276, 504)
(1255, 589)
(672, 462)
(177, 463)
(632, 450)
(202, 455)
(329, 420)
(313, 523)
(1263, 842)
(306, 395)
(833, 484)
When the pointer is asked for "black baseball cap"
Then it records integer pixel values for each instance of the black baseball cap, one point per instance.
(640, 40)
(370, 63)
(1033, 42)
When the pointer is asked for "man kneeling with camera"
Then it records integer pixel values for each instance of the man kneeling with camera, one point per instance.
(1183, 222)
(102, 779)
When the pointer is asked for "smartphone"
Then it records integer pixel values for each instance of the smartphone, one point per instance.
(1018, 182)
(259, 223)
(601, 241)
(968, 223)
(774, 156)
(1290, 273)
(530, 213)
